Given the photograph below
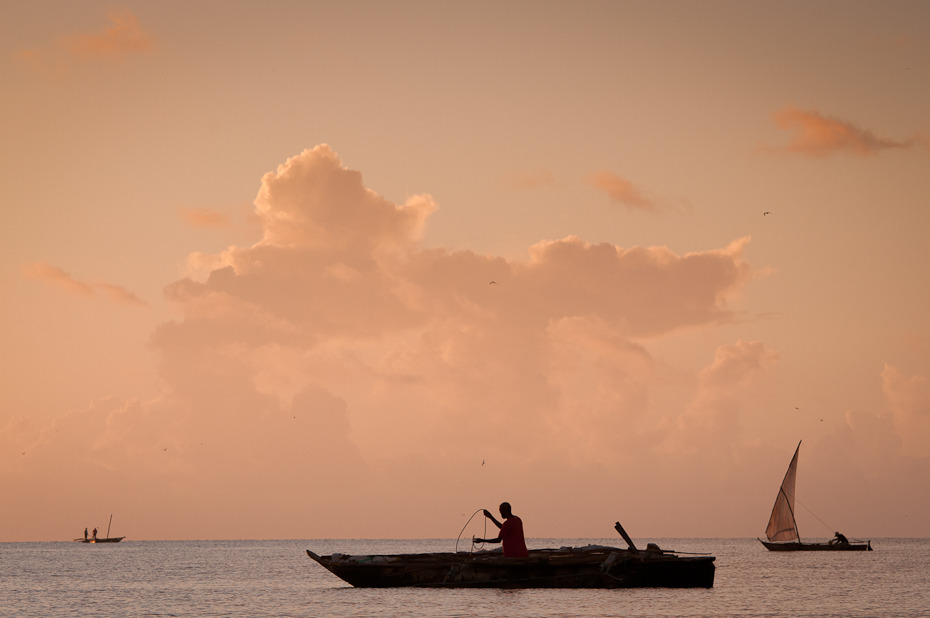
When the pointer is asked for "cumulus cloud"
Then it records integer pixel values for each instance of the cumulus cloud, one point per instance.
(336, 363)
(43, 271)
(622, 191)
(735, 365)
(818, 135)
(336, 360)
(339, 292)
(713, 417)
(312, 201)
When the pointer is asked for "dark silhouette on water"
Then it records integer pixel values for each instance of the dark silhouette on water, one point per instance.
(94, 539)
(782, 531)
(592, 566)
(511, 533)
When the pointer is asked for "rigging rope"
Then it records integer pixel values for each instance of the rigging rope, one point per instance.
(466, 525)
(820, 520)
(814, 514)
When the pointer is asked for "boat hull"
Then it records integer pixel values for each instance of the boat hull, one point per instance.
(564, 568)
(115, 539)
(799, 546)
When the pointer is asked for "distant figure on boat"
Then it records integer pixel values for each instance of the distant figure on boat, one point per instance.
(839, 538)
(95, 534)
(511, 535)
(85, 534)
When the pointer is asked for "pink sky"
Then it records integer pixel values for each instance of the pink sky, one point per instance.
(303, 270)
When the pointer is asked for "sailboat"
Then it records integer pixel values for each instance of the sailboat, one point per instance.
(97, 539)
(782, 531)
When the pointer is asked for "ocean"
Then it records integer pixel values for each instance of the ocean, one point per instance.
(276, 578)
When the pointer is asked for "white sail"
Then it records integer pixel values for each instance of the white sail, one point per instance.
(782, 526)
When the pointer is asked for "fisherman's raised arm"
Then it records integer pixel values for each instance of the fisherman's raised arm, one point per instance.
(487, 514)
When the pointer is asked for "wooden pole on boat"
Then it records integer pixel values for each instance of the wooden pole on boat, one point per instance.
(625, 536)
(108, 525)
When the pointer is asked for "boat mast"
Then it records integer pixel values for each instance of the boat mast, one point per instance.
(108, 525)
(794, 464)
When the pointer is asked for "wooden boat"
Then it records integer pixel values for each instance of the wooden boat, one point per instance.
(106, 539)
(109, 539)
(593, 566)
(782, 531)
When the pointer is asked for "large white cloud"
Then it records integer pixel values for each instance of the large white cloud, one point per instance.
(337, 363)
(446, 357)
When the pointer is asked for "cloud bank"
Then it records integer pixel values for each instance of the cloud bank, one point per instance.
(336, 378)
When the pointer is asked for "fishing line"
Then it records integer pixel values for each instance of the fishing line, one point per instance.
(466, 525)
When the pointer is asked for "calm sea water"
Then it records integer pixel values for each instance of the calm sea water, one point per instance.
(276, 578)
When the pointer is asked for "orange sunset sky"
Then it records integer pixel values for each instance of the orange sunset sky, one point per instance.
(296, 269)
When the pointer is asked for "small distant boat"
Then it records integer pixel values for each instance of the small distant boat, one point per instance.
(593, 566)
(782, 531)
(106, 539)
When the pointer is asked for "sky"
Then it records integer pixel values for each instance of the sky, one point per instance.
(359, 269)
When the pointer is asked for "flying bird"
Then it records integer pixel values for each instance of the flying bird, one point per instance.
(767, 212)
(493, 283)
